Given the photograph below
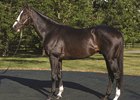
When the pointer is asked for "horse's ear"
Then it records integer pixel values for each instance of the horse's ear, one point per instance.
(25, 5)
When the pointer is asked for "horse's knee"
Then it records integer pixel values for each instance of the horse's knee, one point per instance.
(54, 76)
(115, 69)
(117, 75)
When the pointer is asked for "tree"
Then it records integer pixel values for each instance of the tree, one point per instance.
(121, 14)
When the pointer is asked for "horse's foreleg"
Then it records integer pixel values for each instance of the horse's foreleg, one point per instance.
(54, 66)
(60, 82)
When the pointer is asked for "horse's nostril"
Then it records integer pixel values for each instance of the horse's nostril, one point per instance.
(18, 30)
(14, 28)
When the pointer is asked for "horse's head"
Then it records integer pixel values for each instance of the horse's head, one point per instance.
(22, 20)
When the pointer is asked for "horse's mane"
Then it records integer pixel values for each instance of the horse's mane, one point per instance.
(48, 19)
(45, 17)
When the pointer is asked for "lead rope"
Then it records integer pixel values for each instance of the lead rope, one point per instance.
(21, 35)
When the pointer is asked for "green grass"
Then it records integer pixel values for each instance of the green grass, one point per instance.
(95, 63)
(24, 62)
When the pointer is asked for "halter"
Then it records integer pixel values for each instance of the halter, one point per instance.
(23, 22)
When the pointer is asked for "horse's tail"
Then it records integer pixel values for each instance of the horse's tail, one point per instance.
(120, 57)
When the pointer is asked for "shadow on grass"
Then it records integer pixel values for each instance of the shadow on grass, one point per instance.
(40, 85)
(92, 58)
(24, 61)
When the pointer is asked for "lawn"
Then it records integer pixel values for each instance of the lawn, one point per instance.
(95, 63)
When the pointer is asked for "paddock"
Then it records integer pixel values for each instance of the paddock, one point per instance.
(35, 85)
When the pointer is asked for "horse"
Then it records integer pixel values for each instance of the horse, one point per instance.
(63, 42)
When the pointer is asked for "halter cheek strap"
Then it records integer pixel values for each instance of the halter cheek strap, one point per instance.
(23, 22)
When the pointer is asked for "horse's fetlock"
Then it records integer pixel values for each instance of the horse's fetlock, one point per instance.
(117, 75)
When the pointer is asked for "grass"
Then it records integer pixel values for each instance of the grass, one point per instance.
(95, 63)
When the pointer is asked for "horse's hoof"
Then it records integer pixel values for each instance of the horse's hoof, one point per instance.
(49, 98)
(58, 97)
(104, 98)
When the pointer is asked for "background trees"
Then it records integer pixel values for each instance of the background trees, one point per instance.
(121, 14)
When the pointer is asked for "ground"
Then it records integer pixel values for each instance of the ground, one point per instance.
(35, 85)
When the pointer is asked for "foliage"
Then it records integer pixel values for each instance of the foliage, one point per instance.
(121, 14)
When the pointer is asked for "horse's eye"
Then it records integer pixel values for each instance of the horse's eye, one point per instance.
(24, 13)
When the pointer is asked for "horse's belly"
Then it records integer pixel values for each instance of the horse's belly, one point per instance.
(78, 54)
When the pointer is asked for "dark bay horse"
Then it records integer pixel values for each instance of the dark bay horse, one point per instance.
(64, 42)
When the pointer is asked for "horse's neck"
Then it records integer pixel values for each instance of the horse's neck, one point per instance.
(42, 24)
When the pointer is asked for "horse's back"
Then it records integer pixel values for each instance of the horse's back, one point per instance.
(105, 30)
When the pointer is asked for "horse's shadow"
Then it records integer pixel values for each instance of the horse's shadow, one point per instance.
(41, 85)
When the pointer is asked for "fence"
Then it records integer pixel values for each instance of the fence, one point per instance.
(132, 45)
(39, 50)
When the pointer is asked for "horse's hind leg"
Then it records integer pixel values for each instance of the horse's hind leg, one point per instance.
(114, 72)
(119, 78)
(111, 78)
(118, 88)
(60, 82)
